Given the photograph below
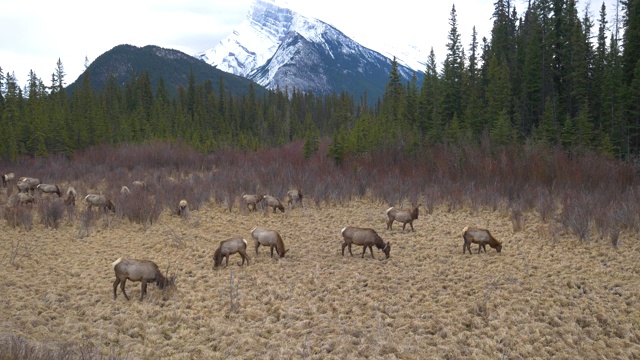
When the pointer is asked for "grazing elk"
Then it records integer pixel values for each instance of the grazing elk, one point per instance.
(24, 199)
(6, 178)
(481, 237)
(139, 185)
(274, 203)
(145, 271)
(99, 201)
(252, 200)
(49, 189)
(183, 209)
(230, 247)
(403, 216)
(364, 237)
(270, 238)
(294, 197)
(71, 197)
(28, 184)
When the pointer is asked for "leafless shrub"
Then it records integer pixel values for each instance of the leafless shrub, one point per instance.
(234, 296)
(576, 215)
(139, 207)
(18, 348)
(19, 249)
(545, 205)
(517, 217)
(18, 215)
(51, 211)
(87, 220)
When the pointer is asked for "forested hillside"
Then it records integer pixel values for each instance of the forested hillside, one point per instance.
(552, 75)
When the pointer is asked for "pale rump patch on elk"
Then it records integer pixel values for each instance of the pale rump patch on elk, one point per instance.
(294, 197)
(229, 247)
(49, 189)
(145, 271)
(139, 184)
(270, 238)
(273, 202)
(71, 197)
(125, 190)
(252, 200)
(403, 216)
(481, 237)
(99, 201)
(364, 237)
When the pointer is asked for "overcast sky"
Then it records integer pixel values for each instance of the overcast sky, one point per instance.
(35, 34)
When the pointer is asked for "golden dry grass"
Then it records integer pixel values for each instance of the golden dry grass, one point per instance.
(550, 297)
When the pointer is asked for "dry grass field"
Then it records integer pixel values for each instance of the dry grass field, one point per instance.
(547, 295)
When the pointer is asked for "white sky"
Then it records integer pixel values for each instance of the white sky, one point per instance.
(35, 34)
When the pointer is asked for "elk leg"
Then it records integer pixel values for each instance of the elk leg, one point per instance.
(144, 289)
(371, 249)
(403, 226)
(257, 246)
(389, 223)
(227, 260)
(122, 287)
(272, 246)
(115, 288)
(411, 223)
(344, 245)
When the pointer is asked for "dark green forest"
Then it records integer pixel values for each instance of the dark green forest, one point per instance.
(550, 75)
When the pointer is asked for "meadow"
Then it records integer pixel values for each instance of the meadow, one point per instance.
(564, 286)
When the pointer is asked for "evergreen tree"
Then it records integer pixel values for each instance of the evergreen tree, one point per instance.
(452, 72)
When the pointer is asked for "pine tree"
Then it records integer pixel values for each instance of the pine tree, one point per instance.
(452, 72)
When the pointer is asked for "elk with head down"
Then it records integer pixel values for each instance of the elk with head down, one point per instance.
(366, 238)
(229, 247)
(294, 197)
(49, 189)
(252, 200)
(270, 238)
(481, 237)
(273, 202)
(100, 201)
(24, 199)
(145, 271)
(403, 216)
(27, 184)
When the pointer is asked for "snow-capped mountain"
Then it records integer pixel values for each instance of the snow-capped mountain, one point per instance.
(278, 47)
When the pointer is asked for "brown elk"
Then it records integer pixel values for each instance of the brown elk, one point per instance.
(28, 184)
(271, 238)
(24, 199)
(274, 203)
(294, 197)
(145, 271)
(71, 197)
(364, 237)
(481, 237)
(229, 247)
(6, 178)
(99, 201)
(183, 209)
(403, 216)
(49, 189)
(252, 200)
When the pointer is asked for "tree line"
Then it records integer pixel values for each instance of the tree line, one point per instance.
(549, 75)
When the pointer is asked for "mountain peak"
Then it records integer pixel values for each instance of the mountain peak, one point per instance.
(279, 47)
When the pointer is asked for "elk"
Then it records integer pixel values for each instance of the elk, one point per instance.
(100, 201)
(274, 203)
(252, 200)
(139, 185)
(271, 238)
(6, 178)
(145, 271)
(229, 247)
(71, 197)
(24, 199)
(183, 209)
(28, 184)
(403, 216)
(364, 237)
(124, 191)
(294, 197)
(49, 189)
(481, 237)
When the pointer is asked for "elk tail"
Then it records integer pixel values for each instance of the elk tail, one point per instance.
(116, 262)
(465, 230)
